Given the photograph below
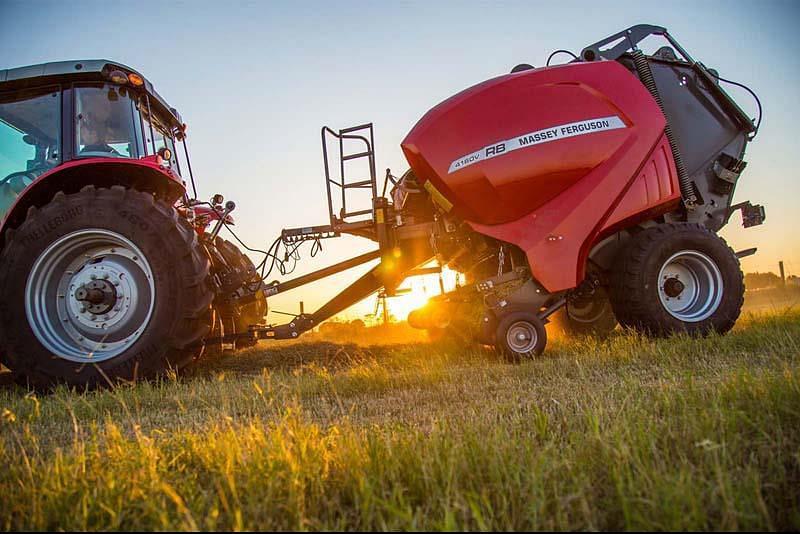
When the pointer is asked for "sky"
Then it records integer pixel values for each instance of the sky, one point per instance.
(255, 81)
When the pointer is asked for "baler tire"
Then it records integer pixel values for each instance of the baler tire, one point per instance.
(639, 295)
(180, 296)
(604, 322)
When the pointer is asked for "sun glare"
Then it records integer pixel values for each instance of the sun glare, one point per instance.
(420, 289)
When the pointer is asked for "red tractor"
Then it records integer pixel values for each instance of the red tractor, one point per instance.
(591, 190)
(107, 269)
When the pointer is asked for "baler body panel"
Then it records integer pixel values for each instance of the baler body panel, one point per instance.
(558, 237)
(653, 192)
(551, 198)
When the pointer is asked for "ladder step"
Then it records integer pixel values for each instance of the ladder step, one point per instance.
(361, 184)
(356, 156)
(354, 213)
(355, 128)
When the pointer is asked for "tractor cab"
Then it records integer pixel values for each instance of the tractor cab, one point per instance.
(55, 113)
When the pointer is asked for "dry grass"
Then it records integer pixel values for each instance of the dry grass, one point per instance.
(627, 433)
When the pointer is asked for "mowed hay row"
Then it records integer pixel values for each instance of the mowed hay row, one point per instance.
(624, 433)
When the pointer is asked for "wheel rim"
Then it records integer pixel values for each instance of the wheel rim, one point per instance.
(89, 295)
(690, 286)
(522, 337)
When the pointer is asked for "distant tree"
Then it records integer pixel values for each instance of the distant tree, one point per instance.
(761, 280)
(343, 330)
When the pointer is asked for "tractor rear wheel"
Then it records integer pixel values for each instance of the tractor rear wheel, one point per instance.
(678, 277)
(101, 286)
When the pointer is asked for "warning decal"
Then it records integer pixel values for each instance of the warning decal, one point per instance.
(553, 133)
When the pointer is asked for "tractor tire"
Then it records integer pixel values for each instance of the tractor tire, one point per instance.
(252, 312)
(588, 316)
(100, 287)
(677, 277)
(520, 335)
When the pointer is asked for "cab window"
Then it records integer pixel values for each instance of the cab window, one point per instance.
(30, 132)
(105, 122)
(159, 138)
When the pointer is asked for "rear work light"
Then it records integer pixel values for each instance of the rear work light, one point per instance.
(135, 79)
(118, 77)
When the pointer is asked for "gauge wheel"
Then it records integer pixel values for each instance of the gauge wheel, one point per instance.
(677, 277)
(520, 335)
(102, 286)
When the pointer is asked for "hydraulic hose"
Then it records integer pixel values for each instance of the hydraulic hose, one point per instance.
(646, 76)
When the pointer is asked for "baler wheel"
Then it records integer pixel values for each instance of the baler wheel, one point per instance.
(677, 277)
(520, 335)
(102, 286)
(586, 316)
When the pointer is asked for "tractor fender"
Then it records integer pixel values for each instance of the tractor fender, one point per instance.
(141, 174)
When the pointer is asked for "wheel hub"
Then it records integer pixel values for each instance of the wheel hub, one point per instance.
(690, 286)
(90, 295)
(673, 287)
(98, 296)
(522, 337)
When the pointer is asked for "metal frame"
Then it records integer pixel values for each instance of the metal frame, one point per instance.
(630, 39)
(386, 275)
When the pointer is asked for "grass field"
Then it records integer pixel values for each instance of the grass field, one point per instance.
(627, 433)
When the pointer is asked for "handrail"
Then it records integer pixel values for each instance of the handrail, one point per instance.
(348, 134)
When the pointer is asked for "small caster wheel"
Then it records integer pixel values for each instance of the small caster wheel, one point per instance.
(520, 335)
